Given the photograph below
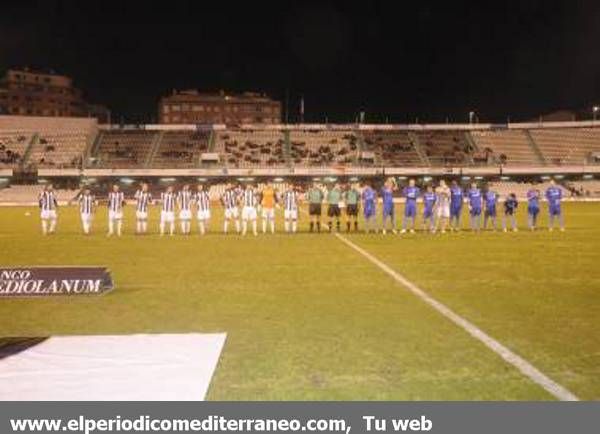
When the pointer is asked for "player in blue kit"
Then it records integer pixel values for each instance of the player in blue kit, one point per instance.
(491, 200)
(456, 204)
(369, 198)
(554, 196)
(533, 208)
(411, 193)
(475, 206)
(389, 212)
(429, 199)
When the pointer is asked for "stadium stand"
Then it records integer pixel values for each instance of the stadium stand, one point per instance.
(47, 141)
(28, 193)
(181, 148)
(323, 147)
(394, 148)
(584, 188)
(250, 148)
(510, 147)
(13, 145)
(123, 148)
(445, 148)
(564, 146)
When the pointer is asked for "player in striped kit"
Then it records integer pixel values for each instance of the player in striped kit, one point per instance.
(202, 200)
(184, 202)
(249, 212)
(143, 199)
(167, 214)
(48, 204)
(290, 209)
(230, 201)
(87, 207)
(116, 200)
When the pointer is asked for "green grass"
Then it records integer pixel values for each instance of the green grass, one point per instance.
(309, 318)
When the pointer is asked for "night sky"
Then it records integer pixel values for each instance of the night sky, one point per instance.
(396, 59)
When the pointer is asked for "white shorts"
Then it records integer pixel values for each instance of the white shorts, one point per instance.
(115, 215)
(290, 214)
(86, 217)
(48, 214)
(231, 213)
(167, 216)
(141, 215)
(443, 211)
(203, 214)
(185, 214)
(249, 213)
(268, 213)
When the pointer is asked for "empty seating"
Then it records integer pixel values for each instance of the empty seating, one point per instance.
(13, 145)
(445, 148)
(123, 148)
(181, 149)
(510, 147)
(392, 148)
(563, 146)
(251, 148)
(323, 147)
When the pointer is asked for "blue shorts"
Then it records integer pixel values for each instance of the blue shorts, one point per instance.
(388, 211)
(554, 209)
(490, 212)
(428, 213)
(369, 212)
(533, 210)
(410, 210)
(475, 211)
(455, 210)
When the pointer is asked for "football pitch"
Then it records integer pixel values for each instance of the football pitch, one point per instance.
(308, 317)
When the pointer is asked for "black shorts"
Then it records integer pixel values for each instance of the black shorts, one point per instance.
(352, 210)
(333, 210)
(314, 209)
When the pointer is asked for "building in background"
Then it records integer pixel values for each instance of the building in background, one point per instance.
(193, 107)
(26, 92)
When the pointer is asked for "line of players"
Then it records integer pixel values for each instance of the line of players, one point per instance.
(442, 208)
(182, 203)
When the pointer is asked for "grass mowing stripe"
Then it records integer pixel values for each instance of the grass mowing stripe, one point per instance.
(517, 361)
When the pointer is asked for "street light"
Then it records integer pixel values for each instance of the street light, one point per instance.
(471, 116)
(595, 110)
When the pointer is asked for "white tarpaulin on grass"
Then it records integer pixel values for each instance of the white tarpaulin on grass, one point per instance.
(161, 367)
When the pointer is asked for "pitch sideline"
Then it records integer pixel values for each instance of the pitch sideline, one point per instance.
(525, 367)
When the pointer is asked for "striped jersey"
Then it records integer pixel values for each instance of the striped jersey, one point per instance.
(168, 201)
(48, 201)
(202, 200)
(290, 200)
(115, 201)
(184, 198)
(230, 199)
(86, 203)
(250, 198)
(143, 199)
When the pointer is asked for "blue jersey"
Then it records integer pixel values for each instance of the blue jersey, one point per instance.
(554, 195)
(490, 200)
(533, 199)
(475, 199)
(429, 199)
(387, 196)
(456, 197)
(411, 193)
(369, 197)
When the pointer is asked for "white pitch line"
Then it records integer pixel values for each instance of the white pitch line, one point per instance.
(517, 361)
